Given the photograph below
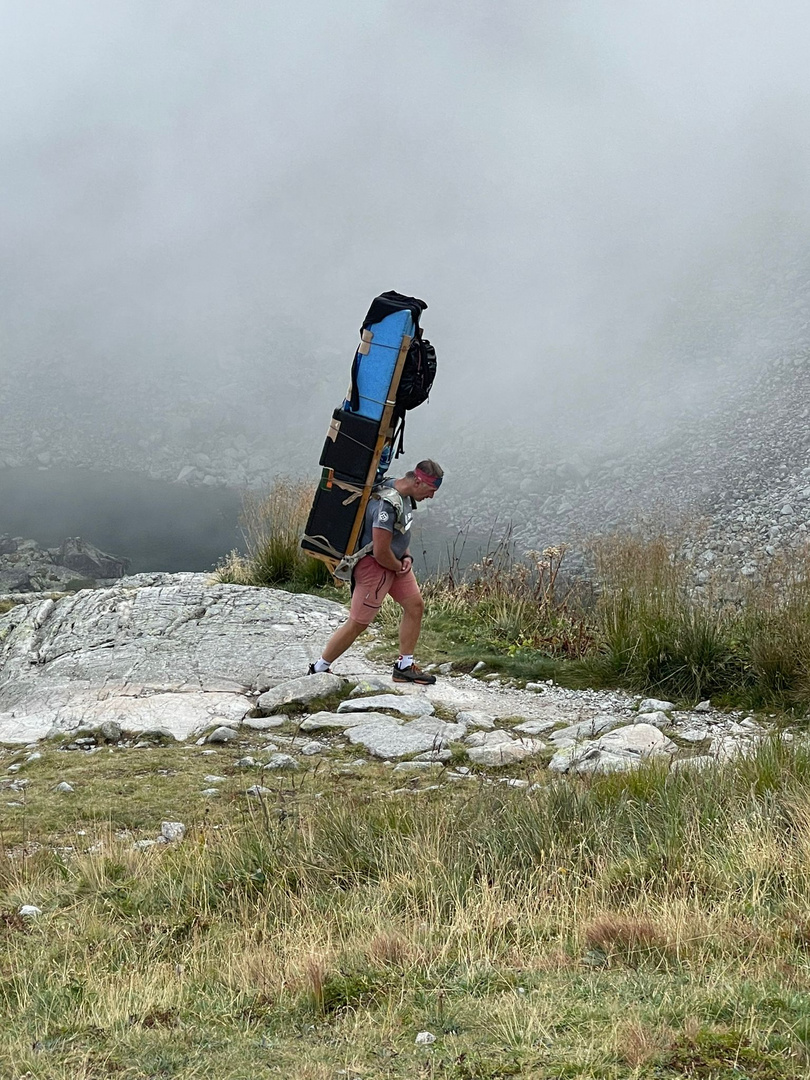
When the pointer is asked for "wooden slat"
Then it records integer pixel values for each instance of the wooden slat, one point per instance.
(385, 424)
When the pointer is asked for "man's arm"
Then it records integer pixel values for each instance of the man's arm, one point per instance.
(381, 538)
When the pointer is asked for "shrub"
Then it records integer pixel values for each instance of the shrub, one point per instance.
(272, 525)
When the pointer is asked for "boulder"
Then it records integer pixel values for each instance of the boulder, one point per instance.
(299, 691)
(504, 753)
(405, 705)
(87, 561)
(395, 741)
(176, 651)
(585, 729)
(324, 721)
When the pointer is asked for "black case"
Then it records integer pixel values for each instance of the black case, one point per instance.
(333, 514)
(351, 449)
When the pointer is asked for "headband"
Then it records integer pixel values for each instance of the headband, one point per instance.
(432, 481)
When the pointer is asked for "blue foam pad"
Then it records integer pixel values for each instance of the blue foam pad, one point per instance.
(376, 368)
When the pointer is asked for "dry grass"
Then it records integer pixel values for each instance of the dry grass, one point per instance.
(272, 525)
(606, 928)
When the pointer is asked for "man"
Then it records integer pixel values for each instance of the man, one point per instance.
(388, 571)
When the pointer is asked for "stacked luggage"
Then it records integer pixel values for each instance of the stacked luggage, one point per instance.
(392, 372)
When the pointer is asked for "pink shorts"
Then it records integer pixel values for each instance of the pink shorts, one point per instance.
(372, 583)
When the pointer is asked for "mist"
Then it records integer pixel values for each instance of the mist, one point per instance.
(603, 203)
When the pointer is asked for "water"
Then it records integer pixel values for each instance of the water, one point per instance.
(161, 526)
(156, 525)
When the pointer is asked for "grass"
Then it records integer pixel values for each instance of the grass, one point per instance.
(644, 925)
(272, 525)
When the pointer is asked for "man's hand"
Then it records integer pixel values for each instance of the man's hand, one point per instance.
(407, 563)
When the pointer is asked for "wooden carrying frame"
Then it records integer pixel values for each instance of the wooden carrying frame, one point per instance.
(385, 435)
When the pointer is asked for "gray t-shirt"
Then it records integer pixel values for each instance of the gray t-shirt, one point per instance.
(380, 514)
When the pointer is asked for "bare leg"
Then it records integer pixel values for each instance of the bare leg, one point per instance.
(411, 624)
(342, 638)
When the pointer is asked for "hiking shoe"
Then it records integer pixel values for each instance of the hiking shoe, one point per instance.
(413, 674)
(312, 671)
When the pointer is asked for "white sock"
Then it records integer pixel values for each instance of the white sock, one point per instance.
(321, 665)
(405, 661)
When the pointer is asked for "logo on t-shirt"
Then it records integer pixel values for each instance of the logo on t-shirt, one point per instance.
(383, 516)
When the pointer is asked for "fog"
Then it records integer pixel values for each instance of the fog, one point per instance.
(599, 201)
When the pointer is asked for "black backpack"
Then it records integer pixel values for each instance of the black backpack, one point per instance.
(418, 374)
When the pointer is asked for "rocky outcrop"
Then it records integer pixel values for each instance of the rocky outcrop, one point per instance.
(175, 653)
(26, 567)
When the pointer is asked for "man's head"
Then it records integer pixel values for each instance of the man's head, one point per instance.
(424, 480)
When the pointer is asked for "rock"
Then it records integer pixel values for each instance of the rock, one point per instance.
(425, 1038)
(29, 911)
(88, 561)
(372, 684)
(537, 727)
(477, 719)
(641, 738)
(309, 749)
(703, 706)
(445, 669)
(655, 705)
(657, 719)
(405, 705)
(692, 734)
(394, 741)
(323, 721)
(246, 763)
(143, 845)
(264, 723)
(431, 725)
(504, 753)
(487, 738)
(172, 831)
(480, 666)
(617, 750)
(299, 691)
(282, 761)
(64, 788)
(417, 765)
(214, 779)
(110, 731)
(257, 791)
(169, 650)
(222, 735)
(535, 687)
(585, 729)
(439, 756)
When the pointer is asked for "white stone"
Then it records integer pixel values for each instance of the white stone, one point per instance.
(323, 721)
(282, 761)
(505, 753)
(657, 719)
(223, 735)
(372, 684)
(392, 741)
(425, 1038)
(405, 705)
(476, 718)
(537, 727)
(64, 787)
(172, 831)
(655, 705)
(487, 738)
(585, 729)
(299, 691)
